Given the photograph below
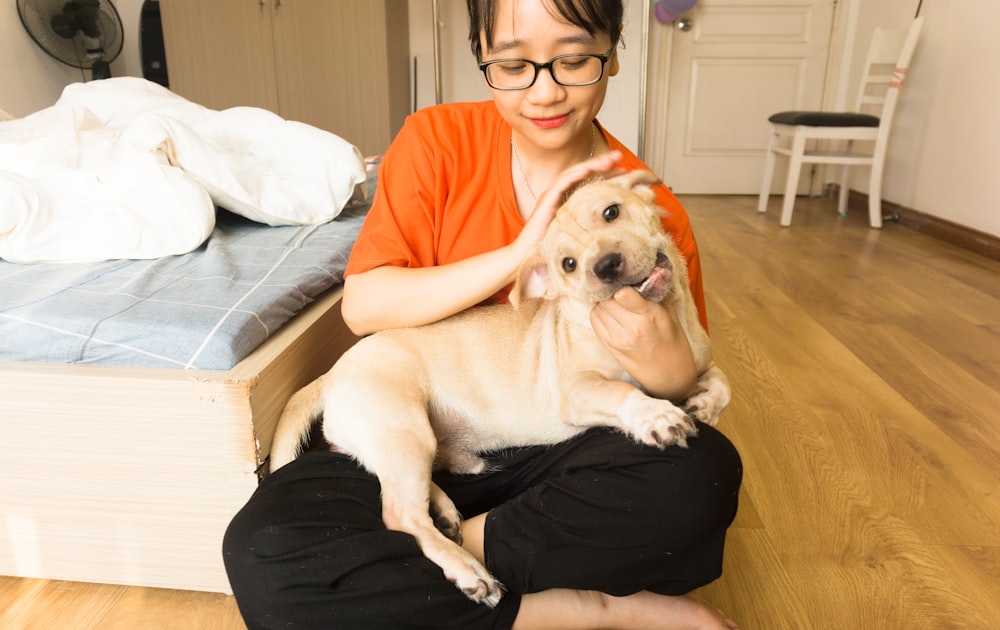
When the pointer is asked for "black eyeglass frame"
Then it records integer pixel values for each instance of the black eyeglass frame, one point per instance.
(548, 66)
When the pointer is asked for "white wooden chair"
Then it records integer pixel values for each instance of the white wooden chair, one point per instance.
(879, 89)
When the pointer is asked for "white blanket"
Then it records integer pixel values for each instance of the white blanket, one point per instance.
(124, 168)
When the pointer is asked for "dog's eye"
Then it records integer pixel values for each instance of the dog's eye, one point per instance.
(611, 213)
(569, 265)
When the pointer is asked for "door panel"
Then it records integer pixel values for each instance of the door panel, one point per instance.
(219, 53)
(741, 61)
(344, 67)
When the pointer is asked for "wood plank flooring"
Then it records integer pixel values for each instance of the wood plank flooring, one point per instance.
(866, 367)
(866, 374)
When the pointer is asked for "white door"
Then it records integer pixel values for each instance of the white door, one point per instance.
(733, 63)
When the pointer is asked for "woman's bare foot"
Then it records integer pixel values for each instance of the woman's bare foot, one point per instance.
(653, 611)
(560, 609)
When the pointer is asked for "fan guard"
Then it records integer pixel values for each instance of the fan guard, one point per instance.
(85, 34)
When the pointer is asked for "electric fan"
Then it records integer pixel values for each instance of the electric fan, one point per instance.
(85, 34)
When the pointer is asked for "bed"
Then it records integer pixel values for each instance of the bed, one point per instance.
(133, 435)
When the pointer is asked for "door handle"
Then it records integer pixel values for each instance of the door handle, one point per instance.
(685, 24)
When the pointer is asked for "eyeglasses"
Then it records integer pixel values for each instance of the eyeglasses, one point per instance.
(568, 70)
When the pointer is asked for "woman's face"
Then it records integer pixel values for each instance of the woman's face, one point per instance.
(547, 115)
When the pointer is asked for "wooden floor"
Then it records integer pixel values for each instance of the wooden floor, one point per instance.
(866, 368)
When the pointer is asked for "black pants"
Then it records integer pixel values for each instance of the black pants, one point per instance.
(599, 512)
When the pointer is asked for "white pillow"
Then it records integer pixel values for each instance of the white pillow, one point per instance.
(283, 172)
(251, 161)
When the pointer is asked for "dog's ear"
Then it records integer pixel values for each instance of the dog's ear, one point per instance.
(640, 182)
(532, 280)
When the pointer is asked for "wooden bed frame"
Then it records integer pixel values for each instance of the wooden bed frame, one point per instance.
(131, 475)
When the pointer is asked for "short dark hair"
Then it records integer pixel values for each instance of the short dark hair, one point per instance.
(593, 16)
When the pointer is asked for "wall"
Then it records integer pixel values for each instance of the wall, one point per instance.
(943, 159)
(30, 79)
(940, 160)
(460, 77)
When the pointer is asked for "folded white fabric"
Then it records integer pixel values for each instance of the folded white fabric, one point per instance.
(124, 168)
(117, 101)
(71, 191)
(254, 162)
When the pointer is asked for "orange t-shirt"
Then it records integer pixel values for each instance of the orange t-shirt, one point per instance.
(445, 194)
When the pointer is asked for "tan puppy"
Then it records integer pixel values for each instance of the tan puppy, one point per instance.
(532, 372)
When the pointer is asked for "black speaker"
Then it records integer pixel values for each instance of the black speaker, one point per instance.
(154, 56)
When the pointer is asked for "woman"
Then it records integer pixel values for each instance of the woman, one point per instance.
(597, 532)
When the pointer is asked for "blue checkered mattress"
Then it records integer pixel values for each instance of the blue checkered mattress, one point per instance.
(204, 310)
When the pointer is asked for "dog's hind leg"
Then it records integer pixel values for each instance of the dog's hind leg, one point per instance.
(405, 475)
(394, 441)
(445, 515)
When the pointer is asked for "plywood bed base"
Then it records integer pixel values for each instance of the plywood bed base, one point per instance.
(131, 475)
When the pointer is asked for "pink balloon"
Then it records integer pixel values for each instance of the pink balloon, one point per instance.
(663, 16)
(678, 6)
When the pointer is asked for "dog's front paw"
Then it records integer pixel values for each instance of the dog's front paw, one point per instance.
(711, 398)
(657, 422)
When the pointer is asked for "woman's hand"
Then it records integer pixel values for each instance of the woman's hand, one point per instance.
(648, 342)
(550, 201)
(372, 298)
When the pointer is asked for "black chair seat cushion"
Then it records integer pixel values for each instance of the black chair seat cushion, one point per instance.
(825, 119)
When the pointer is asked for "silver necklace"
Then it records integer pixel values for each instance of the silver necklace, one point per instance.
(524, 178)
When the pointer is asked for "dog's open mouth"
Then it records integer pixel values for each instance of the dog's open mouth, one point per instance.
(657, 285)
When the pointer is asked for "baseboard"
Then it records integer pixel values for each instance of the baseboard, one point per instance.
(953, 233)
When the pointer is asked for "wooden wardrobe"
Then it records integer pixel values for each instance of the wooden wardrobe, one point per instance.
(339, 65)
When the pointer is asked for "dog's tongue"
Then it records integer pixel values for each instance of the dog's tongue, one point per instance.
(656, 281)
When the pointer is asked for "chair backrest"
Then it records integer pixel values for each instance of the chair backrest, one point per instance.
(885, 69)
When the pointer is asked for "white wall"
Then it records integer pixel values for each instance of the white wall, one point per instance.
(30, 79)
(460, 77)
(940, 158)
(943, 158)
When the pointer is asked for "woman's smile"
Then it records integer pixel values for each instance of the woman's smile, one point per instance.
(550, 123)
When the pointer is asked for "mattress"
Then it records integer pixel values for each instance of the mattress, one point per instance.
(204, 310)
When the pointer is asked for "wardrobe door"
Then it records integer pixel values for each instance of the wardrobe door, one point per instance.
(220, 52)
(344, 66)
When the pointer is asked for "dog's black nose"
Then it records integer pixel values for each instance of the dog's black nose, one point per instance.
(609, 267)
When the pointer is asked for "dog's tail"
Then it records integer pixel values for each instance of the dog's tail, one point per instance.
(293, 426)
